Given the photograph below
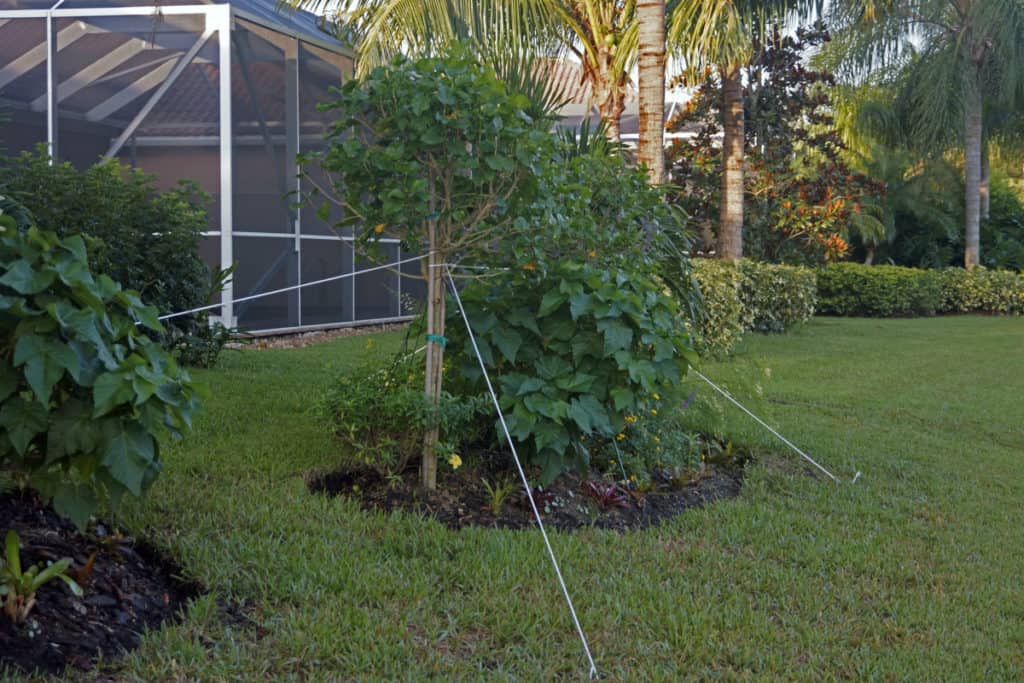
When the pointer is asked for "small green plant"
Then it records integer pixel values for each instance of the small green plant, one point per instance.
(498, 493)
(381, 415)
(18, 588)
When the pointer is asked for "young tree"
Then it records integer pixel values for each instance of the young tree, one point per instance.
(435, 152)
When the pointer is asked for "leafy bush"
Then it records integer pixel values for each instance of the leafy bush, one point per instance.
(1002, 233)
(144, 239)
(878, 291)
(84, 393)
(749, 296)
(981, 290)
(381, 413)
(776, 297)
(573, 352)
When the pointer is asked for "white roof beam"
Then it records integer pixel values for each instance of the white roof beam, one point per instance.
(89, 74)
(37, 55)
(130, 93)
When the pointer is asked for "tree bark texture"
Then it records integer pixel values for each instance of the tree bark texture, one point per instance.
(730, 229)
(434, 355)
(972, 179)
(651, 71)
(986, 194)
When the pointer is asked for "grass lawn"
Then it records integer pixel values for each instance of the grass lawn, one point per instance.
(914, 573)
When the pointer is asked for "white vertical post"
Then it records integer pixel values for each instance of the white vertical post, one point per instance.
(220, 17)
(51, 85)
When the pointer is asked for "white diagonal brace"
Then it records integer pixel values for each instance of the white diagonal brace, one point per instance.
(130, 92)
(32, 58)
(90, 73)
(176, 71)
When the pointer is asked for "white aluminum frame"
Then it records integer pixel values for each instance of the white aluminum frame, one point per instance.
(220, 20)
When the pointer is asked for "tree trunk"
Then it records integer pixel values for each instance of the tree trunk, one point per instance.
(434, 355)
(650, 16)
(730, 230)
(986, 195)
(610, 108)
(972, 178)
(869, 256)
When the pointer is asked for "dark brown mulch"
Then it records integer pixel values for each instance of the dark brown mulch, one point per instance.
(131, 587)
(461, 499)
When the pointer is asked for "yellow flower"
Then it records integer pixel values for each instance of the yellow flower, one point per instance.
(657, 439)
(379, 228)
(656, 397)
(620, 436)
(455, 461)
(653, 411)
(630, 419)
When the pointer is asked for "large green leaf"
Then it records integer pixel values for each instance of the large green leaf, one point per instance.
(617, 335)
(23, 420)
(8, 380)
(23, 278)
(508, 342)
(45, 360)
(111, 390)
(127, 453)
(72, 431)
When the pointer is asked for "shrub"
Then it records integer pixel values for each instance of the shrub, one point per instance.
(776, 297)
(981, 290)
(574, 352)
(84, 393)
(144, 239)
(381, 414)
(749, 295)
(878, 291)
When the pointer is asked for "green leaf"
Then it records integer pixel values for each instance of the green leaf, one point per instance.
(500, 164)
(23, 420)
(72, 431)
(622, 398)
(550, 408)
(8, 380)
(45, 360)
(550, 303)
(589, 415)
(129, 450)
(579, 304)
(577, 383)
(75, 501)
(508, 342)
(111, 390)
(617, 335)
(23, 278)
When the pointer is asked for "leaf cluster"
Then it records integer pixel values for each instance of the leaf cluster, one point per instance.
(574, 350)
(84, 392)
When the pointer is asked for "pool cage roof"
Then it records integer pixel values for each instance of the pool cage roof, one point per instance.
(224, 94)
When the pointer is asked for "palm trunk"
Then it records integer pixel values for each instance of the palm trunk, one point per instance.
(972, 178)
(730, 229)
(986, 195)
(650, 16)
(610, 108)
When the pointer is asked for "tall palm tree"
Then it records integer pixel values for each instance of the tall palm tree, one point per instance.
(601, 34)
(970, 58)
(720, 35)
(651, 76)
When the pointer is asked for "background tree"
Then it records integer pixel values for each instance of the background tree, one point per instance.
(651, 76)
(720, 36)
(961, 57)
(435, 152)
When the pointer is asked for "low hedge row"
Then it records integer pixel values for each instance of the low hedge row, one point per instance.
(854, 289)
(749, 296)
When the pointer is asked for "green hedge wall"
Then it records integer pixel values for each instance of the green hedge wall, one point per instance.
(749, 295)
(893, 291)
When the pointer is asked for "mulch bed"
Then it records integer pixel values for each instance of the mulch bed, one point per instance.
(131, 587)
(461, 499)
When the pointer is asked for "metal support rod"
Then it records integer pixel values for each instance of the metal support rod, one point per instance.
(221, 21)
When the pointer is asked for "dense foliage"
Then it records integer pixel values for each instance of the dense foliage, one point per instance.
(145, 239)
(380, 414)
(85, 393)
(749, 296)
(878, 291)
(575, 352)
(803, 199)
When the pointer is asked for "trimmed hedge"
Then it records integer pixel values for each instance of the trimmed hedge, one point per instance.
(878, 291)
(854, 289)
(749, 295)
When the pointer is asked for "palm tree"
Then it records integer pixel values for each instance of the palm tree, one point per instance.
(651, 76)
(971, 58)
(601, 34)
(720, 35)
